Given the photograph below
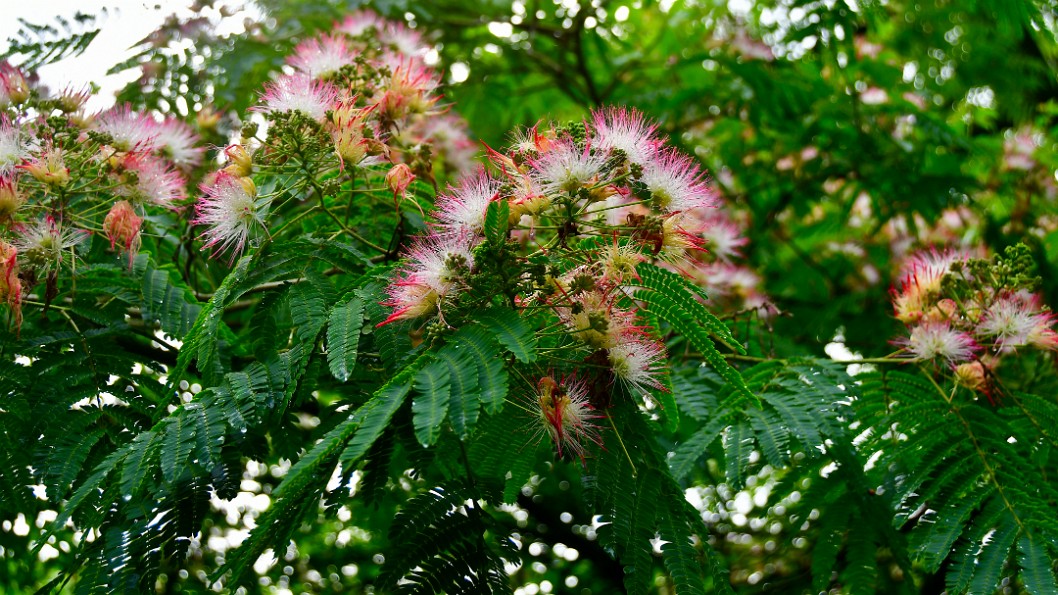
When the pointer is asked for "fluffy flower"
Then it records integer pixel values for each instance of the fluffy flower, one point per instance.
(566, 415)
(299, 92)
(230, 208)
(410, 89)
(155, 182)
(13, 147)
(921, 279)
(358, 23)
(448, 135)
(676, 184)
(592, 317)
(618, 262)
(638, 363)
(434, 269)
(406, 41)
(44, 242)
(723, 238)
(462, 208)
(626, 130)
(131, 131)
(321, 56)
(177, 141)
(566, 168)
(932, 339)
(1010, 321)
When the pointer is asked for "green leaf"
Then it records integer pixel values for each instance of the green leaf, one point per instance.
(465, 394)
(512, 331)
(1037, 572)
(343, 336)
(139, 464)
(431, 403)
(492, 376)
(172, 306)
(496, 216)
(679, 308)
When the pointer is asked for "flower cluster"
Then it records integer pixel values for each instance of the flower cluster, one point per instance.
(579, 208)
(361, 99)
(970, 312)
(66, 174)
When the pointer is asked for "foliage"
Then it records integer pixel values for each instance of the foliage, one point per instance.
(343, 352)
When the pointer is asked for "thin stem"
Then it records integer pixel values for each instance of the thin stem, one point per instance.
(622, 443)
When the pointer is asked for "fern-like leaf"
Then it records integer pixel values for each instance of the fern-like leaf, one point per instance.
(512, 331)
(430, 404)
(1037, 571)
(343, 336)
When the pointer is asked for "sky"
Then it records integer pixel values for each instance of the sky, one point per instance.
(123, 24)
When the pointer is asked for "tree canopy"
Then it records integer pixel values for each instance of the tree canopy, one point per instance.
(527, 296)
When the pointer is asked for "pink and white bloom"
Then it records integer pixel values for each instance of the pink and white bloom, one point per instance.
(566, 414)
(638, 363)
(592, 317)
(462, 208)
(299, 92)
(358, 23)
(921, 279)
(626, 130)
(131, 130)
(937, 339)
(321, 56)
(676, 184)
(156, 182)
(1010, 321)
(410, 89)
(723, 237)
(405, 40)
(1018, 150)
(178, 142)
(230, 209)
(435, 268)
(44, 242)
(13, 146)
(566, 168)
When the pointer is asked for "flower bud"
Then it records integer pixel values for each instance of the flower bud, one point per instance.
(249, 186)
(970, 374)
(399, 178)
(10, 199)
(10, 284)
(14, 83)
(207, 119)
(122, 227)
(240, 162)
(348, 131)
(71, 100)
